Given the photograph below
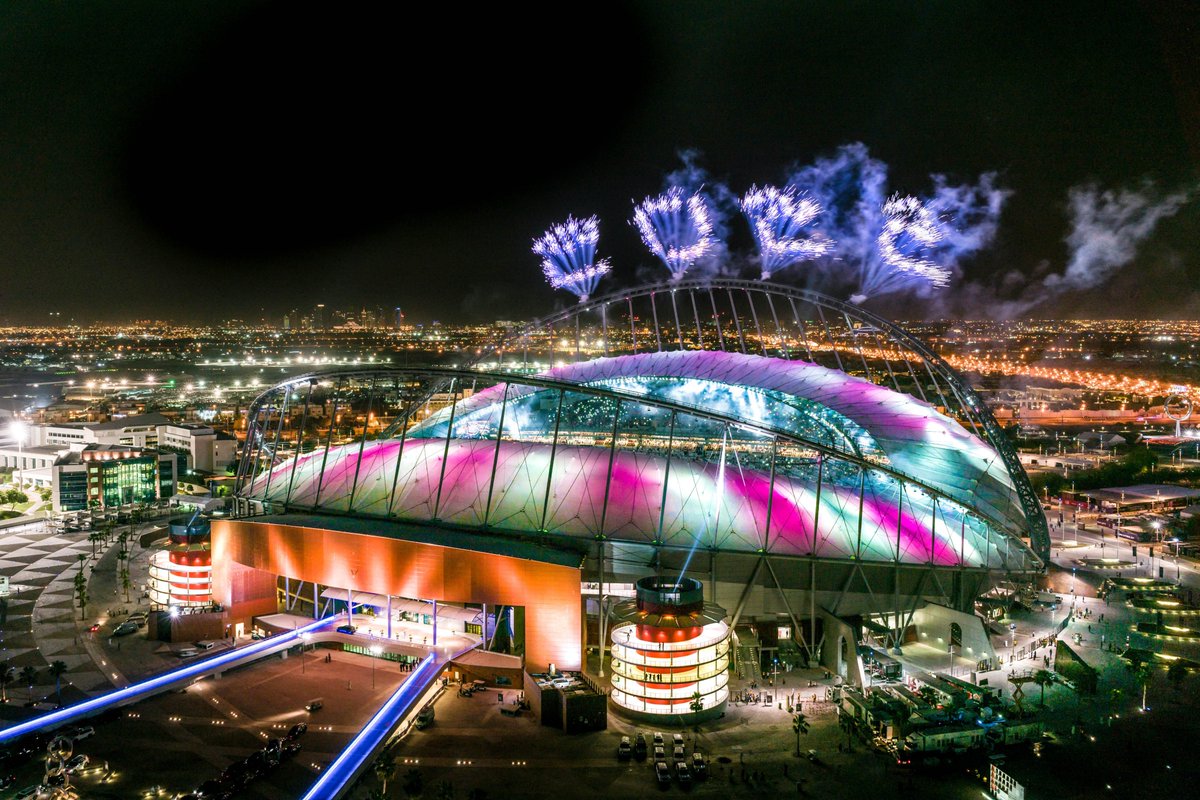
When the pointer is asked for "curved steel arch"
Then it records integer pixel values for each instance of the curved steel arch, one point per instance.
(444, 375)
(961, 398)
(971, 405)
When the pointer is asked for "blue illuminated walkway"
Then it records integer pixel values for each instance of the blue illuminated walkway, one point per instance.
(140, 691)
(351, 761)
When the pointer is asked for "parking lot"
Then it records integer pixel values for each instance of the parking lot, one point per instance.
(179, 740)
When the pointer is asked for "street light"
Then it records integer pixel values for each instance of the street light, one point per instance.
(304, 637)
(375, 652)
(18, 430)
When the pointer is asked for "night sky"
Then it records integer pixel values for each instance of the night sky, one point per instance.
(214, 160)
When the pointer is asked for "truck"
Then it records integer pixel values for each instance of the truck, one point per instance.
(1049, 598)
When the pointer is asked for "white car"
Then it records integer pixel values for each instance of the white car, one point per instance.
(78, 764)
(81, 733)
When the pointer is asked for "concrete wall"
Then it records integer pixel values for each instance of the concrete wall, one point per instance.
(932, 625)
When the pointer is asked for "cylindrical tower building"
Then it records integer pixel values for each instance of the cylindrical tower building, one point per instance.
(670, 652)
(181, 574)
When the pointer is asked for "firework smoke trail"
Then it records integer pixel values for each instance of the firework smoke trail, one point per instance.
(852, 188)
(568, 252)
(676, 229)
(776, 219)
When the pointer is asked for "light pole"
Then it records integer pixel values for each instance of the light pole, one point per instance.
(375, 651)
(17, 430)
(304, 637)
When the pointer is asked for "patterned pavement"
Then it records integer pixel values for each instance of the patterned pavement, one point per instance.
(40, 565)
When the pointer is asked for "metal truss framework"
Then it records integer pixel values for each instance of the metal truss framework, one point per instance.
(317, 442)
(748, 316)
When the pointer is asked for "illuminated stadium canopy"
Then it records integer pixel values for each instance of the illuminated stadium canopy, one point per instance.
(684, 449)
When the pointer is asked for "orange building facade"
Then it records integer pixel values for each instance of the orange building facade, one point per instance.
(250, 555)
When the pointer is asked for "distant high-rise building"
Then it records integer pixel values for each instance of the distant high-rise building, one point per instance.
(319, 317)
(397, 318)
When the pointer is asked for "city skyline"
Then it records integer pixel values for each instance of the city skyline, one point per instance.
(157, 206)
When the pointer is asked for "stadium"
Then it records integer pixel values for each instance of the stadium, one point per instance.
(828, 479)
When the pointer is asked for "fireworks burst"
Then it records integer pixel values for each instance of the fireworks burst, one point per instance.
(568, 252)
(677, 230)
(908, 229)
(777, 218)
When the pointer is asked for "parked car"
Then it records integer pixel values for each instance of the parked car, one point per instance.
(290, 749)
(683, 773)
(125, 628)
(346, 629)
(677, 739)
(639, 747)
(678, 754)
(699, 765)
(82, 732)
(624, 749)
(662, 772)
(658, 739)
(77, 764)
(296, 731)
(660, 754)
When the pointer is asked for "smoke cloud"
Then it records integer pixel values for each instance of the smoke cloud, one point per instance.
(852, 186)
(1106, 229)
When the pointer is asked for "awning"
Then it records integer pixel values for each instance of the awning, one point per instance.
(407, 605)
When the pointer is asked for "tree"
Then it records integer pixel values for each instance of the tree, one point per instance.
(1177, 673)
(6, 677)
(1043, 678)
(846, 723)
(413, 783)
(29, 677)
(56, 670)
(800, 726)
(15, 496)
(384, 769)
(126, 583)
(94, 539)
(81, 594)
(1143, 674)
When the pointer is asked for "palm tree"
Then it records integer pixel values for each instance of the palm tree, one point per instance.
(6, 677)
(94, 539)
(1143, 673)
(81, 594)
(28, 677)
(846, 723)
(56, 670)
(413, 783)
(800, 726)
(384, 769)
(1043, 678)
